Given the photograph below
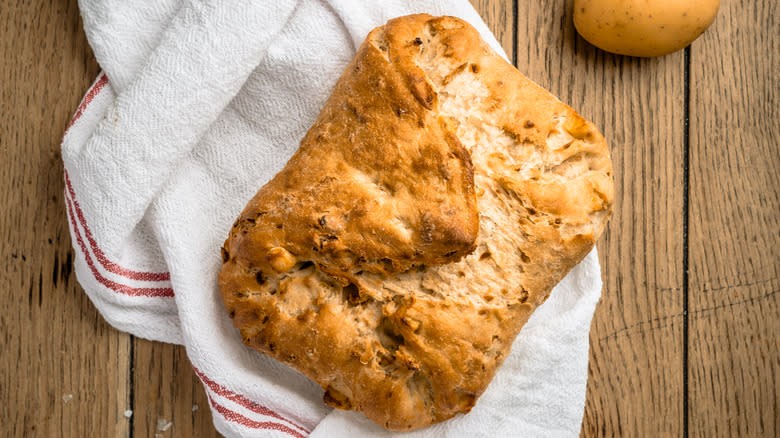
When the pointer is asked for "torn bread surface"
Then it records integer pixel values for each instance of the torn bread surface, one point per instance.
(433, 205)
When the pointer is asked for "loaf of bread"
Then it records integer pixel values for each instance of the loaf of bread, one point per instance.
(433, 205)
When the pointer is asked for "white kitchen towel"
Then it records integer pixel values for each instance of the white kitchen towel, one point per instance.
(200, 104)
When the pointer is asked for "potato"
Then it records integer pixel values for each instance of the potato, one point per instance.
(643, 27)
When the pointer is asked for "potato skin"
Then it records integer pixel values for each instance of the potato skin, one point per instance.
(643, 28)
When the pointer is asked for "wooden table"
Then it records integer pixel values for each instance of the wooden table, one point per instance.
(684, 341)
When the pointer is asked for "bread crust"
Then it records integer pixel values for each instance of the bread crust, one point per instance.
(432, 206)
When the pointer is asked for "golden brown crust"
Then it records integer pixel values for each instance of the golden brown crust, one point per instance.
(435, 202)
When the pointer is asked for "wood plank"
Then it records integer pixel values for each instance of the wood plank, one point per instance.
(165, 386)
(635, 385)
(734, 243)
(166, 389)
(63, 370)
(499, 16)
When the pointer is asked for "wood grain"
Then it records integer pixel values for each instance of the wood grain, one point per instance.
(167, 390)
(499, 16)
(63, 370)
(734, 234)
(635, 383)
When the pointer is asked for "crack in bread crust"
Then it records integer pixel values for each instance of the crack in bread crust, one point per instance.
(433, 205)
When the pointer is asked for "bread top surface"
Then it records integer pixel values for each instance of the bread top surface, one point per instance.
(432, 206)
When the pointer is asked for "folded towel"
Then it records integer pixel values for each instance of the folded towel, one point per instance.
(201, 103)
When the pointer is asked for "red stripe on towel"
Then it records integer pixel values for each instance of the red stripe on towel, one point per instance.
(101, 82)
(242, 400)
(116, 287)
(108, 264)
(244, 421)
